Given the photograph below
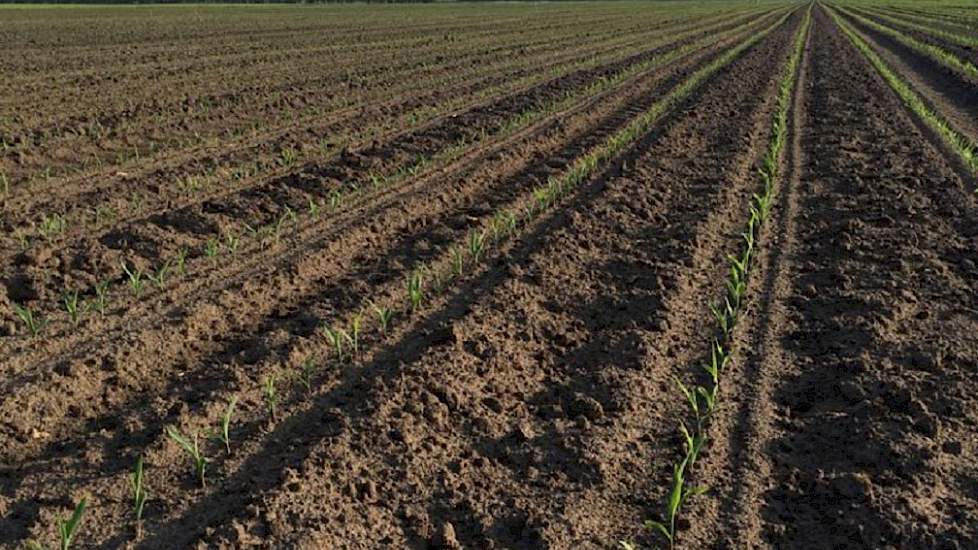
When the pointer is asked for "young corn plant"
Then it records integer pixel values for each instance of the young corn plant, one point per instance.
(158, 278)
(231, 242)
(212, 248)
(384, 315)
(138, 490)
(192, 448)
(306, 371)
(67, 529)
(101, 301)
(338, 339)
(476, 244)
(356, 324)
(288, 156)
(70, 301)
(180, 260)
(53, 225)
(224, 431)
(677, 497)
(457, 260)
(271, 395)
(335, 199)
(416, 290)
(136, 283)
(313, 208)
(32, 321)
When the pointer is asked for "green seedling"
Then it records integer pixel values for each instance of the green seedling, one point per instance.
(231, 242)
(458, 260)
(159, 277)
(288, 156)
(476, 243)
(67, 529)
(271, 395)
(53, 225)
(335, 199)
(306, 370)
(723, 321)
(375, 180)
(677, 496)
(180, 260)
(735, 292)
(338, 339)
(224, 433)
(33, 322)
(22, 239)
(192, 449)
(355, 325)
(104, 214)
(136, 282)
(384, 315)
(101, 297)
(4, 184)
(70, 301)
(212, 247)
(693, 400)
(718, 361)
(138, 490)
(692, 444)
(313, 208)
(416, 290)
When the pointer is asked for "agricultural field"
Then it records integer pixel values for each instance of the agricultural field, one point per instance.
(692, 274)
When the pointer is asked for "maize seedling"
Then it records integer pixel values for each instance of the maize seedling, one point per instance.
(67, 529)
(138, 490)
(34, 323)
(135, 279)
(415, 290)
(70, 301)
(224, 433)
(271, 395)
(384, 315)
(192, 449)
(101, 297)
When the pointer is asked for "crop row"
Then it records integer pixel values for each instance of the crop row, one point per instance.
(230, 242)
(956, 38)
(307, 101)
(290, 140)
(961, 145)
(342, 340)
(703, 398)
(936, 53)
(144, 324)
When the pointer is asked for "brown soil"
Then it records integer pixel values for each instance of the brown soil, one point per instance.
(530, 401)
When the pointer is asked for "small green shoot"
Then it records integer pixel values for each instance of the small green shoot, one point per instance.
(271, 395)
(415, 290)
(224, 434)
(33, 322)
(70, 301)
(101, 297)
(67, 529)
(192, 449)
(384, 315)
(159, 277)
(136, 282)
(138, 490)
